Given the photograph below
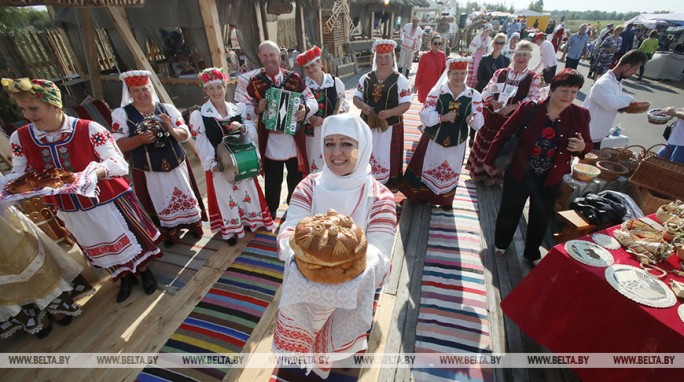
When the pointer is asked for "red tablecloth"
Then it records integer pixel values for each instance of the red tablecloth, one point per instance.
(569, 307)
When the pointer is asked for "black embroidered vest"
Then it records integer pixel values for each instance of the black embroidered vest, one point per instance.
(150, 157)
(450, 134)
(382, 96)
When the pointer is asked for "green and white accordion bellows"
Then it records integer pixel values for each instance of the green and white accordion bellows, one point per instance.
(281, 109)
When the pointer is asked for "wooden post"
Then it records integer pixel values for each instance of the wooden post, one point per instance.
(90, 49)
(141, 62)
(214, 38)
(301, 36)
(260, 23)
(320, 24)
(264, 18)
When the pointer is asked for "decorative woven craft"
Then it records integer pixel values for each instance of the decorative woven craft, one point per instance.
(637, 107)
(589, 253)
(655, 117)
(640, 286)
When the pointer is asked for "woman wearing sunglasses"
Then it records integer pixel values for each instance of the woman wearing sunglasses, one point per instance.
(430, 67)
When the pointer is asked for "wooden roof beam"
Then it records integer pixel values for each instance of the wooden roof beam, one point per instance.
(121, 22)
(214, 37)
(74, 3)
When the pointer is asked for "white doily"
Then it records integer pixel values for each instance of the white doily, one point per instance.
(606, 241)
(680, 311)
(638, 285)
(589, 253)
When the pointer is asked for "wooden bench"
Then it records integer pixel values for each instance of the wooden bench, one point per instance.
(575, 225)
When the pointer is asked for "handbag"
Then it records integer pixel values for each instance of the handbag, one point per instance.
(504, 157)
(668, 130)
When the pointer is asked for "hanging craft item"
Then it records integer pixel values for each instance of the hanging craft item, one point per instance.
(638, 285)
(644, 238)
(589, 253)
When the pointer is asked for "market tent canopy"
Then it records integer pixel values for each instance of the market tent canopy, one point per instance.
(649, 20)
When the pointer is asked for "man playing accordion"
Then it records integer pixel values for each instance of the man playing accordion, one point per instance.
(278, 149)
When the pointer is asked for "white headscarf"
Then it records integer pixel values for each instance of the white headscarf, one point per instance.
(346, 194)
(125, 95)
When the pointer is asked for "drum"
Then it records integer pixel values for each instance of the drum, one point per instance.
(281, 109)
(238, 161)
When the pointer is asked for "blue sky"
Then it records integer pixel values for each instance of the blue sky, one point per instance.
(604, 5)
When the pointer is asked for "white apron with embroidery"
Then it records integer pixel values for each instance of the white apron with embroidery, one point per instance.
(380, 154)
(442, 167)
(172, 197)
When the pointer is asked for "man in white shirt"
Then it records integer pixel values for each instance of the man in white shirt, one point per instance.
(548, 62)
(605, 98)
(411, 39)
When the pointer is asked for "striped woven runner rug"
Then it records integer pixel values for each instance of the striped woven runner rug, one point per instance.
(452, 316)
(226, 316)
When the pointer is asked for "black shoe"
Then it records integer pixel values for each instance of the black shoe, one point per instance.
(447, 208)
(232, 241)
(168, 243)
(149, 283)
(45, 331)
(65, 321)
(125, 287)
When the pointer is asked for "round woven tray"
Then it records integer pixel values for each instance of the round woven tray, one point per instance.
(656, 118)
(637, 107)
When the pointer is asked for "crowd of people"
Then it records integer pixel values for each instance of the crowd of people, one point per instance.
(335, 160)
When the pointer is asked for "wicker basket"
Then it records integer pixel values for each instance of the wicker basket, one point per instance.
(610, 170)
(594, 156)
(584, 172)
(645, 199)
(610, 152)
(655, 117)
(629, 158)
(637, 107)
(660, 176)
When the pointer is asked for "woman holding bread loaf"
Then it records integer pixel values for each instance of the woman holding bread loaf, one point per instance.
(112, 230)
(335, 260)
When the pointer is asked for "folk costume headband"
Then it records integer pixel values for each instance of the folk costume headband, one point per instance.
(44, 90)
(383, 46)
(213, 76)
(135, 78)
(458, 63)
(309, 57)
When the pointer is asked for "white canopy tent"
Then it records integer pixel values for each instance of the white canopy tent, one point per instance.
(649, 20)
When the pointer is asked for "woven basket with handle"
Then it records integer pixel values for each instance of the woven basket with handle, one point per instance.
(660, 176)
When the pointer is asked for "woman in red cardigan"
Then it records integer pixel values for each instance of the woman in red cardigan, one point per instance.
(556, 131)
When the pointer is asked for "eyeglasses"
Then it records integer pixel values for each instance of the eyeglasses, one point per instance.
(522, 54)
(437, 43)
(500, 42)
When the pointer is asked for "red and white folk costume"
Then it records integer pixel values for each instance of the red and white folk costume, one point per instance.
(526, 85)
(167, 190)
(114, 233)
(435, 167)
(481, 41)
(327, 94)
(231, 206)
(387, 156)
(331, 319)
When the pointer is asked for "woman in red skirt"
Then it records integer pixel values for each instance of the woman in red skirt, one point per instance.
(503, 94)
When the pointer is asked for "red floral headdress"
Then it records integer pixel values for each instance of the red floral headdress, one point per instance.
(310, 56)
(213, 76)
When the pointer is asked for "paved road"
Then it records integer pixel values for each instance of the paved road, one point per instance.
(635, 126)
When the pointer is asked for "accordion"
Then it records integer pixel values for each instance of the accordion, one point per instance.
(281, 109)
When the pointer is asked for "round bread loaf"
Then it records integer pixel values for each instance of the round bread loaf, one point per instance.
(24, 183)
(329, 248)
(66, 177)
(49, 178)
